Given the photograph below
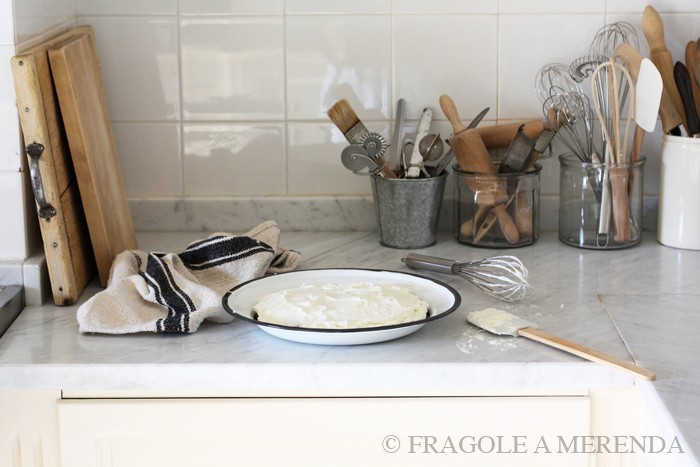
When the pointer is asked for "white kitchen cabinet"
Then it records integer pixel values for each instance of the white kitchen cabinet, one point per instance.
(92, 428)
(321, 431)
(29, 428)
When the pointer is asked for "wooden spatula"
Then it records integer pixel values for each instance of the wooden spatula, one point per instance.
(503, 323)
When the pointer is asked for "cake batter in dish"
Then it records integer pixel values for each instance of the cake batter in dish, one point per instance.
(341, 306)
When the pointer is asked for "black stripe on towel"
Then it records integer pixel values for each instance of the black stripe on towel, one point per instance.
(168, 293)
(221, 250)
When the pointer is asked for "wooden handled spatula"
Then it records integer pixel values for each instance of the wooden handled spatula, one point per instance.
(503, 323)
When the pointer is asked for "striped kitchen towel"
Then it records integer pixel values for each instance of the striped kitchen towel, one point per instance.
(175, 292)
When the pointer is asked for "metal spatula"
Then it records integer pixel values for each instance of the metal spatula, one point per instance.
(503, 323)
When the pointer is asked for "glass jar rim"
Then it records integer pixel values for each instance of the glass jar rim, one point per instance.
(533, 171)
(572, 160)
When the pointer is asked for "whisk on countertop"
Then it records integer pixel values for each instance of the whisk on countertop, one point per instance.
(502, 277)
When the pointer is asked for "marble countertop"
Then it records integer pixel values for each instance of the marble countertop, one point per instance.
(638, 304)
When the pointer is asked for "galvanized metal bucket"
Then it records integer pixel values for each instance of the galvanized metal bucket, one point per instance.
(408, 209)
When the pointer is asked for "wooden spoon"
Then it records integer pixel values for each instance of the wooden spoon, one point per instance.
(690, 54)
(696, 64)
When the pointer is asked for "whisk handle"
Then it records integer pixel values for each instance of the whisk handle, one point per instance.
(431, 263)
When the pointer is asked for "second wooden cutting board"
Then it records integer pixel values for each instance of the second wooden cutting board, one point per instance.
(78, 79)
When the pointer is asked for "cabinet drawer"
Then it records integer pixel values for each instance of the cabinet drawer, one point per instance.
(321, 431)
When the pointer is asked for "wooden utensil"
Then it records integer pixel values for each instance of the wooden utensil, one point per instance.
(500, 136)
(472, 156)
(76, 72)
(344, 117)
(653, 28)
(696, 63)
(690, 53)
(683, 83)
(670, 116)
(503, 323)
(67, 248)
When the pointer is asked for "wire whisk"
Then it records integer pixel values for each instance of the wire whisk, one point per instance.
(554, 79)
(611, 36)
(502, 277)
(572, 116)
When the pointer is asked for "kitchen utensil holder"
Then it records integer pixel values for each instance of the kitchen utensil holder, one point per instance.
(581, 189)
(408, 209)
(679, 196)
(500, 210)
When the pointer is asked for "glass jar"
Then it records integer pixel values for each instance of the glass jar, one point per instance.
(600, 205)
(497, 210)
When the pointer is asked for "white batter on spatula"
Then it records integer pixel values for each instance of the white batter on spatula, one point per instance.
(498, 321)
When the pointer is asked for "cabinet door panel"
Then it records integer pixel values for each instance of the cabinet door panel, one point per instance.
(322, 431)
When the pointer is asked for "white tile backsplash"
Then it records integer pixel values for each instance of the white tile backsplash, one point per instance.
(13, 240)
(150, 158)
(438, 54)
(227, 99)
(234, 159)
(338, 6)
(231, 7)
(125, 7)
(335, 57)
(521, 55)
(445, 7)
(314, 165)
(10, 158)
(7, 31)
(551, 6)
(35, 17)
(233, 68)
(140, 67)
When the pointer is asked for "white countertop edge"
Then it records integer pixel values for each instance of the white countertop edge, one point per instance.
(665, 422)
(318, 378)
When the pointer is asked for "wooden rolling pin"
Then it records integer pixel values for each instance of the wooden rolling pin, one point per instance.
(472, 156)
(653, 28)
(500, 136)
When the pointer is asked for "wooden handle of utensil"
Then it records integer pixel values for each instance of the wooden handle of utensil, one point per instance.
(585, 352)
(508, 227)
(523, 213)
(500, 136)
(690, 53)
(450, 110)
(696, 62)
(637, 142)
(471, 153)
(386, 170)
(653, 28)
(670, 116)
(472, 156)
(619, 181)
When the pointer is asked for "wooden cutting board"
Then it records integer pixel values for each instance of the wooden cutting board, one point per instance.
(76, 73)
(67, 247)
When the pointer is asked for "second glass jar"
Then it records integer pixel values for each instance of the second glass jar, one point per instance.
(497, 210)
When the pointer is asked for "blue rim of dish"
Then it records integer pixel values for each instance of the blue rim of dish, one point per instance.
(442, 314)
